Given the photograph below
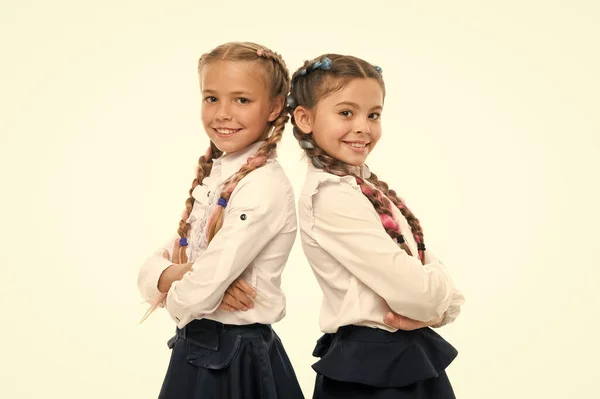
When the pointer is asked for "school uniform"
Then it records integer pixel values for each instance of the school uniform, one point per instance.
(216, 353)
(364, 274)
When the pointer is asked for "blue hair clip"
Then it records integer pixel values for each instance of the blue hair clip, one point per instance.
(183, 242)
(326, 64)
(378, 69)
(222, 201)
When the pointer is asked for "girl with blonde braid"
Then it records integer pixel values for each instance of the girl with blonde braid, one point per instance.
(382, 289)
(233, 239)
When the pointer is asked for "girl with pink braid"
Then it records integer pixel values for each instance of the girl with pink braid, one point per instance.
(219, 279)
(382, 290)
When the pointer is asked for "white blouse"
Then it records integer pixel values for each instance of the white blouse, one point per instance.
(254, 243)
(362, 272)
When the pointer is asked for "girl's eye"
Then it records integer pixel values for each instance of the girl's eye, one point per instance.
(210, 99)
(346, 113)
(375, 116)
(243, 100)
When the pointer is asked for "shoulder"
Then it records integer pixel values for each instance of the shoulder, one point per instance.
(325, 192)
(268, 185)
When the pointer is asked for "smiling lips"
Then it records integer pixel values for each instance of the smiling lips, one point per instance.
(225, 132)
(358, 146)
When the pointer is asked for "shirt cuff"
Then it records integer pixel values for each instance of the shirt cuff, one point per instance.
(149, 276)
(454, 310)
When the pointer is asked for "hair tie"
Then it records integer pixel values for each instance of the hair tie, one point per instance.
(307, 145)
(326, 64)
(183, 242)
(222, 201)
(302, 72)
(317, 163)
(378, 69)
(421, 246)
(290, 102)
(400, 239)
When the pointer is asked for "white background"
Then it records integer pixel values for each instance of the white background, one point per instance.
(490, 134)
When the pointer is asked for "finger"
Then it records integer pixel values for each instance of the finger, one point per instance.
(400, 322)
(182, 255)
(226, 307)
(247, 288)
(233, 302)
(242, 297)
(389, 318)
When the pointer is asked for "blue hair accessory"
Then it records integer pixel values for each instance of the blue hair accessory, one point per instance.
(326, 64)
(290, 102)
(307, 145)
(317, 163)
(378, 69)
(222, 201)
(183, 242)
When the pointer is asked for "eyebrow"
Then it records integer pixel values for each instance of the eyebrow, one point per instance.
(355, 105)
(235, 93)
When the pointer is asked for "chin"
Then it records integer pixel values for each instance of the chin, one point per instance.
(354, 161)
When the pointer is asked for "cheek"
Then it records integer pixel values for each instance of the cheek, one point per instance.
(375, 132)
(341, 129)
(205, 114)
(249, 115)
(333, 128)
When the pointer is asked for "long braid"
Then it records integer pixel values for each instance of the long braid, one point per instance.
(203, 170)
(413, 222)
(179, 256)
(311, 82)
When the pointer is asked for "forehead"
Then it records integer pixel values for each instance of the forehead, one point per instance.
(233, 76)
(365, 92)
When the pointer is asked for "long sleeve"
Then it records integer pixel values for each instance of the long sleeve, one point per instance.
(253, 217)
(347, 227)
(151, 270)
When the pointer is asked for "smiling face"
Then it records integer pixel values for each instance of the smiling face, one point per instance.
(346, 123)
(236, 104)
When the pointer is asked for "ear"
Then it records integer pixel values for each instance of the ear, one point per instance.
(303, 118)
(276, 109)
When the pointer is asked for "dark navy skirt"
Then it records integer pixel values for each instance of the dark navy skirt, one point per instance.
(362, 362)
(221, 361)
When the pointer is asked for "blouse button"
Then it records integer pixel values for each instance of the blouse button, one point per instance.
(243, 216)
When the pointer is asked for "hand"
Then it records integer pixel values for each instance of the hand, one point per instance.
(400, 322)
(239, 296)
(173, 273)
